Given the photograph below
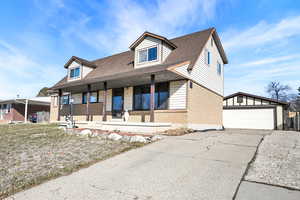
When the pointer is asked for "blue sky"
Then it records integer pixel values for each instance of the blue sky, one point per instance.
(37, 37)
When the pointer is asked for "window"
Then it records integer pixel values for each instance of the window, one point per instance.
(207, 57)
(93, 97)
(84, 98)
(219, 68)
(149, 54)
(142, 97)
(240, 99)
(75, 73)
(161, 96)
(65, 100)
(152, 54)
(143, 56)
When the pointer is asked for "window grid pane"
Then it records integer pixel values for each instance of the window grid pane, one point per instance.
(143, 55)
(152, 54)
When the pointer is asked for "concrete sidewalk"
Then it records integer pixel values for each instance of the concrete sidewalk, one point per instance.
(197, 166)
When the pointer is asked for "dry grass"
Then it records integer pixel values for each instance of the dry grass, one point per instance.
(32, 154)
(178, 131)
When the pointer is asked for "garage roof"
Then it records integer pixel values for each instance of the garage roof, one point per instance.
(256, 97)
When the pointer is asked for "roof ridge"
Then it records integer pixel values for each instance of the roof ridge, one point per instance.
(211, 28)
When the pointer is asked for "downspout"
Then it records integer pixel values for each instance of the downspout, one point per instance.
(26, 110)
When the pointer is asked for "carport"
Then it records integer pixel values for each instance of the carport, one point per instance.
(248, 111)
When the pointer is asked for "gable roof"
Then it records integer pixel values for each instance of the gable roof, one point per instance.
(188, 49)
(81, 61)
(145, 34)
(256, 97)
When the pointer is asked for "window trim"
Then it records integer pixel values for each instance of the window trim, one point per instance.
(147, 61)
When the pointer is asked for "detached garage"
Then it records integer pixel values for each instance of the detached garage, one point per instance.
(247, 111)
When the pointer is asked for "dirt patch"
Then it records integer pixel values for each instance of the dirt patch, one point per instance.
(178, 132)
(32, 154)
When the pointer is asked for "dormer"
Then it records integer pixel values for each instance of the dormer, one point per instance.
(78, 68)
(151, 49)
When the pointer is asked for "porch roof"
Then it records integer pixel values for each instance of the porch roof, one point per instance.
(124, 79)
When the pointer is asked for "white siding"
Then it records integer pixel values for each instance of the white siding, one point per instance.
(128, 95)
(148, 42)
(77, 98)
(279, 117)
(177, 98)
(204, 74)
(86, 71)
(166, 50)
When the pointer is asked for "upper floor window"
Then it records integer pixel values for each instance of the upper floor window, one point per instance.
(207, 57)
(149, 54)
(240, 99)
(219, 68)
(75, 73)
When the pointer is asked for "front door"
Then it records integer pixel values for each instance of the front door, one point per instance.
(117, 102)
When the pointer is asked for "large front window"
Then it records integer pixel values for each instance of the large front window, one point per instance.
(142, 96)
(75, 73)
(65, 99)
(149, 54)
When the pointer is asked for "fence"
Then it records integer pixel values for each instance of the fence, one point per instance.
(43, 117)
(293, 121)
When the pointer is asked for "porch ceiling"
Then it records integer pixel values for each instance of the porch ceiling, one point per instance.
(125, 81)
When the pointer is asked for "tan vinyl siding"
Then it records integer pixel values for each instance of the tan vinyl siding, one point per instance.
(128, 95)
(109, 100)
(54, 108)
(77, 98)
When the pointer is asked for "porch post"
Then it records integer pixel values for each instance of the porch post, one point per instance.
(105, 101)
(58, 104)
(88, 96)
(152, 92)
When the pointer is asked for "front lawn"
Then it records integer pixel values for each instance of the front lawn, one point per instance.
(31, 154)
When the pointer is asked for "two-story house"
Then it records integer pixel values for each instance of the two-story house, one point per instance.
(177, 81)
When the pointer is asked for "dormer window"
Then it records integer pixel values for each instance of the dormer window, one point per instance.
(147, 55)
(75, 73)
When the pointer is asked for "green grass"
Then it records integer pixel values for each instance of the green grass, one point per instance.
(31, 154)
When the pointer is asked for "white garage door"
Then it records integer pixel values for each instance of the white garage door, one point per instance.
(248, 118)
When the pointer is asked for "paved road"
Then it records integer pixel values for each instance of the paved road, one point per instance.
(197, 166)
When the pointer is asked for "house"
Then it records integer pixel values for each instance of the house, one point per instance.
(243, 110)
(15, 110)
(160, 82)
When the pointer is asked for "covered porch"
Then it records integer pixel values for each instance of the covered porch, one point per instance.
(153, 99)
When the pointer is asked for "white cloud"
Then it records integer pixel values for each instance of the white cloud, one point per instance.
(271, 60)
(22, 75)
(128, 19)
(262, 33)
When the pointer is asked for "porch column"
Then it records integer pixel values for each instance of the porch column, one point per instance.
(104, 101)
(152, 92)
(88, 96)
(58, 104)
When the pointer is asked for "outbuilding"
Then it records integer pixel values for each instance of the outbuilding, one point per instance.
(248, 111)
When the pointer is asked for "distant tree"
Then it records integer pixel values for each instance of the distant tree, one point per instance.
(278, 91)
(43, 92)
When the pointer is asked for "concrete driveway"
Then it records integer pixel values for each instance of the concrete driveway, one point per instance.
(207, 165)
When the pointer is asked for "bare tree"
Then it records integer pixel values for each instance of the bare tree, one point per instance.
(278, 91)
